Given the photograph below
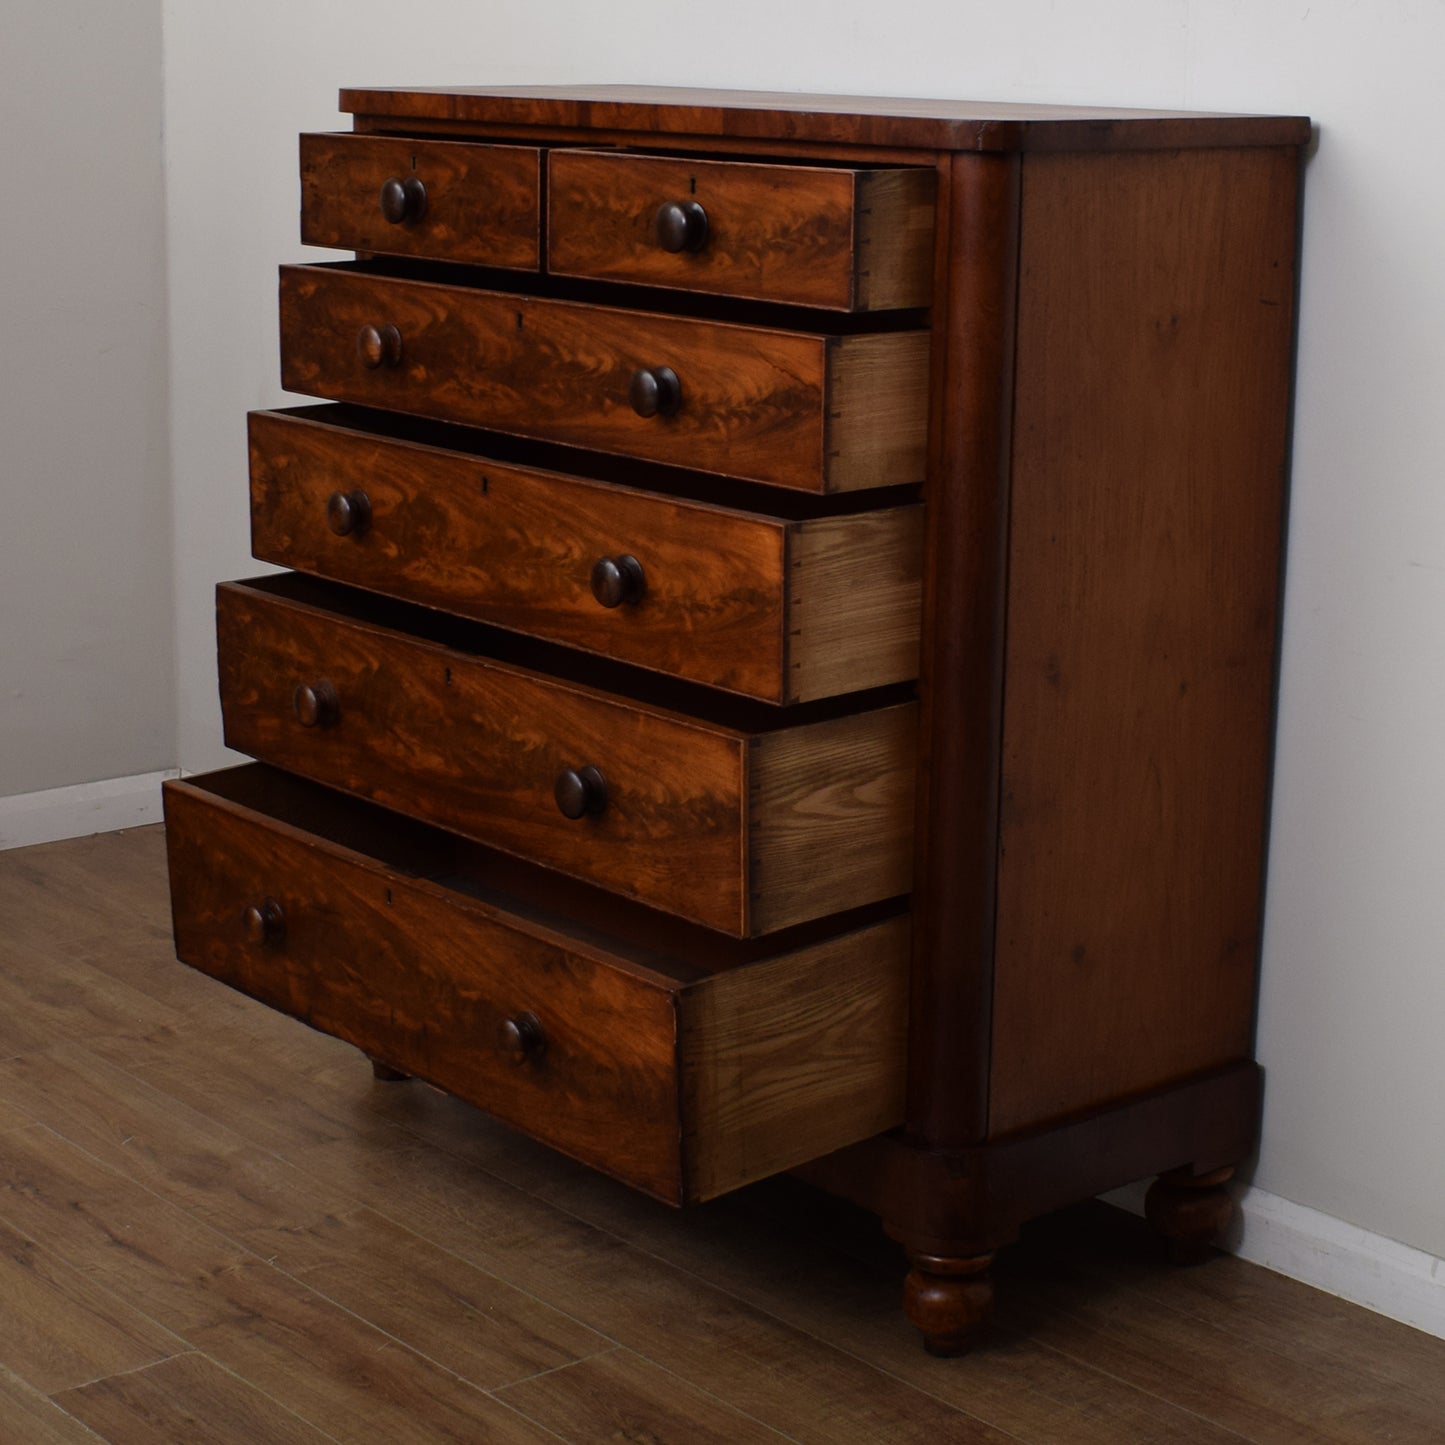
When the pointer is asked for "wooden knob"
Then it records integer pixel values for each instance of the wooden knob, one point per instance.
(616, 580)
(655, 391)
(379, 346)
(316, 704)
(403, 202)
(680, 226)
(580, 792)
(348, 514)
(523, 1038)
(264, 922)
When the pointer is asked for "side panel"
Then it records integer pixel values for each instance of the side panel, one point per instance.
(1152, 377)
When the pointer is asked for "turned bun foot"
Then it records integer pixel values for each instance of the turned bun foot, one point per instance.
(949, 1300)
(1190, 1212)
(386, 1073)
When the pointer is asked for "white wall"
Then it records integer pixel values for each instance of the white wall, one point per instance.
(86, 631)
(1354, 969)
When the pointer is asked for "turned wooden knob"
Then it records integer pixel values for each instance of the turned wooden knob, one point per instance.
(523, 1039)
(316, 704)
(680, 226)
(616, 580)
(403, 202)
(580, 792)
(378, 346)
(348, 514)
(264, 922)
(655, 391)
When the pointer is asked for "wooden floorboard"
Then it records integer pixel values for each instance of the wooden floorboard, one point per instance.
(215, 1227)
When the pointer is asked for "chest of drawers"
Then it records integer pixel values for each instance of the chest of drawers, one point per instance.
(776, 671)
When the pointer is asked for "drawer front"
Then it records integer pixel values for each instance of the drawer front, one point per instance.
(782, 407)
(691, 818)
(779, 611)
(479, 204)
(684, 1088)
(850, 240)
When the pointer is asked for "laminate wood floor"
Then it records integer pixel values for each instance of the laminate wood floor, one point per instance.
(215, 1227)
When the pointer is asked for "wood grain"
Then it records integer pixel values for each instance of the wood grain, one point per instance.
(830, 808)
(693, 824)
(842, 120)
(27, 1415)
(336, 1370)
(59, 1329)
(424, 978)
(775, 1305)
(895, 240)
(961, 673)
(777, 1247)
(1143, 593)
(754, 400)
(515, 547)
(483, 202)
(877, 431)
(849, 240)
(800, 1384)
(853, 594)
(759, 1067)
(464, 1318)
(621, 1396)
(477, 746)
(776, 1061)
(190, 1398)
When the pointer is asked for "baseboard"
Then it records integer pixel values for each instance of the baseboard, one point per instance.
(73, 812)
(1383, 1275)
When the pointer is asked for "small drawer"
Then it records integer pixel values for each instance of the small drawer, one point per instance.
(779, 609)
(814, 411)
(443, 200)
(740, 816)
(850, 240)
(680, 1063)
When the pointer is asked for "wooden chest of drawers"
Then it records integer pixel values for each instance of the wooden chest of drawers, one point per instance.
(777, 668)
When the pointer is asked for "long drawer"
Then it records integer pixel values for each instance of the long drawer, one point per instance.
(789, 408)
(779, 609)
(731, 817)
(404, 196)
(848, 239)
(681, 1066)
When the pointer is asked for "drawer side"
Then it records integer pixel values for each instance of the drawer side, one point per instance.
(785, 1061)
(830, 816)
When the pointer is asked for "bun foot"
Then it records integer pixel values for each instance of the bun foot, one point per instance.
(1190, 1213)
(949, 1300)
(386, 1073)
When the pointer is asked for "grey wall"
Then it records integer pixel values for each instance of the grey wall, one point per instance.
(87, 625)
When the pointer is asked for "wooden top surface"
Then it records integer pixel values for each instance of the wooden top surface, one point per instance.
(829, 119)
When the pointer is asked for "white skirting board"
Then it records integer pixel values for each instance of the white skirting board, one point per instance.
(1383, 1275)
(74, 812)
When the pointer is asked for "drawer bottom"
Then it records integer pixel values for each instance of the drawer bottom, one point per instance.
(678, 1060)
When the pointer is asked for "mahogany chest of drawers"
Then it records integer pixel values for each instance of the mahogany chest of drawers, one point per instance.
(777, 666)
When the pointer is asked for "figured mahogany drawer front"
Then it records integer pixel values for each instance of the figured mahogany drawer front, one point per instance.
(680, 1081)
(851, 240)
(823, 413)
(745, 832)
(779, 610)
(444, 200)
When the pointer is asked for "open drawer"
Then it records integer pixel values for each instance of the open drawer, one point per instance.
(681, 1062)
